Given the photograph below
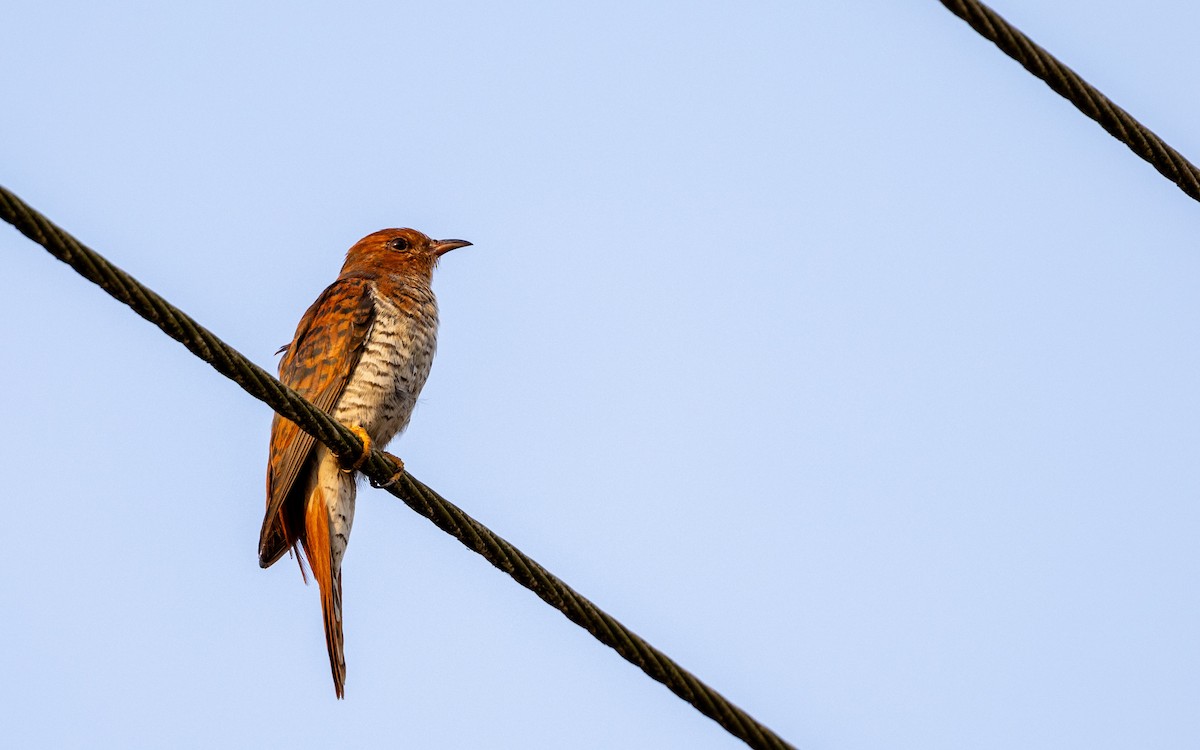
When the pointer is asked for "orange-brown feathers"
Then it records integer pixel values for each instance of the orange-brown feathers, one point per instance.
(405, 253)
(318, 363)
(379, 317)
(315, 541)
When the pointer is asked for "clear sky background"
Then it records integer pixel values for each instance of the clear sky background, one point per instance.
(817, 342)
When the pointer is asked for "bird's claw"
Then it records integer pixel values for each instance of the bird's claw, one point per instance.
(366, 449)
(399, 473)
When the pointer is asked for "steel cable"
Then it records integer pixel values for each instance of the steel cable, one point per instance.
(444, 514)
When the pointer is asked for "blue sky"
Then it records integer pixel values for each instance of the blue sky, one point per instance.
(819, 343)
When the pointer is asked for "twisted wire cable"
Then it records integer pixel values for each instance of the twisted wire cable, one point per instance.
(1086, 98)
(444, 514)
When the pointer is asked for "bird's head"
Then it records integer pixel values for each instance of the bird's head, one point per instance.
(398, 251)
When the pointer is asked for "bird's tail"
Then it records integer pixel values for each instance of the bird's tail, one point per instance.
(328, 573)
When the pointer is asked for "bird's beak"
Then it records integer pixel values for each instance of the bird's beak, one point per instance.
(441, 247)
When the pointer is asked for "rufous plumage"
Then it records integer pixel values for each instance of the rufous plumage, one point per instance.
(362, 353)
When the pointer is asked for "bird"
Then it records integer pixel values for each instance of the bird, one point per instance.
(361, 353)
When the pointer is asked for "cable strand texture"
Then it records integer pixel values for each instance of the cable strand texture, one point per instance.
(1086, 98)
(444, 514)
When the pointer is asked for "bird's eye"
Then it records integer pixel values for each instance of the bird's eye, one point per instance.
(398, 243)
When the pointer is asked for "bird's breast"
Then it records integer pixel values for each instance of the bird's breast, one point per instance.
(393, 367)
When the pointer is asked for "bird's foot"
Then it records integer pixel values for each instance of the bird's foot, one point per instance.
(399, 473)
(366, 449)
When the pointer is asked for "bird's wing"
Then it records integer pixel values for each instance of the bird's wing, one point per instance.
(328, 344)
